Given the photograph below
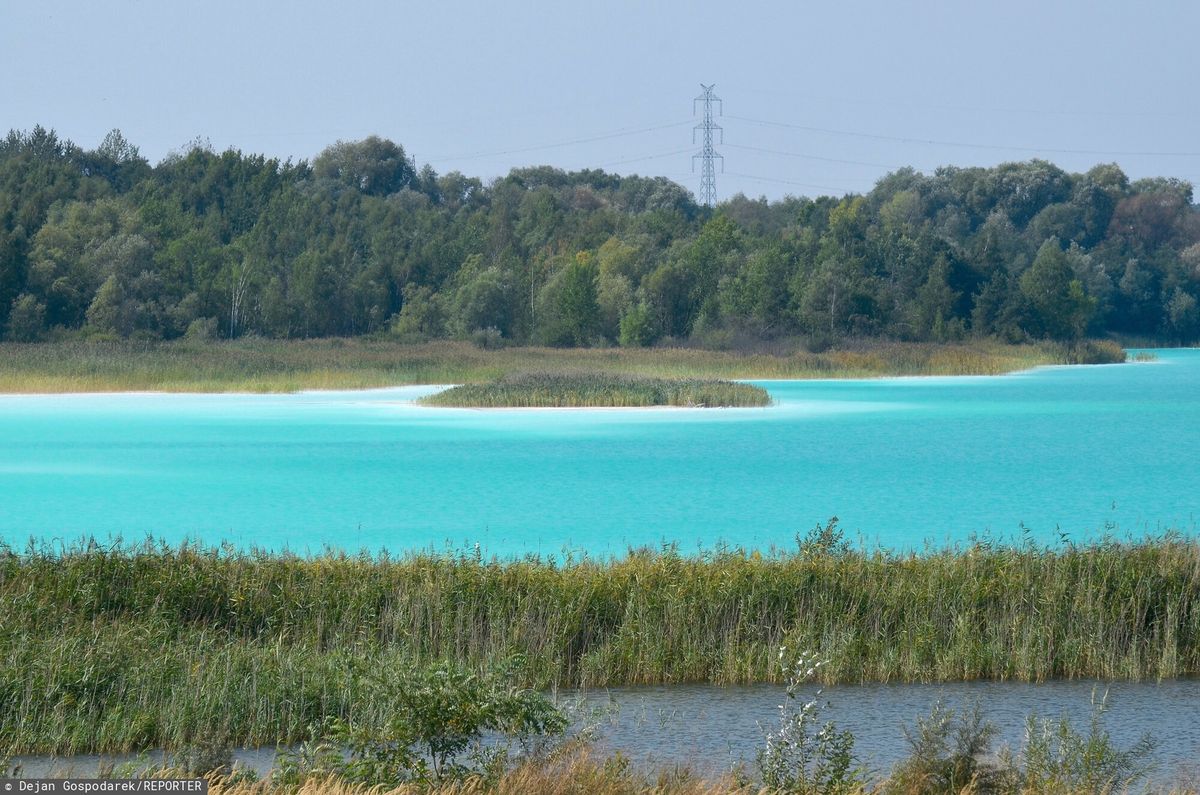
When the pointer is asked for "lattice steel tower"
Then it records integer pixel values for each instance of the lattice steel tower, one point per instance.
(708, 156)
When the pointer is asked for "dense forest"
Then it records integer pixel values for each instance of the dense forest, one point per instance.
(100, 244)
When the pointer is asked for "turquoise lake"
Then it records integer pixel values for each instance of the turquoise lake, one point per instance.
(903, 463)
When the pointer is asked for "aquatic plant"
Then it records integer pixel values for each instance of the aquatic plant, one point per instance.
(136, 646)
(578, 390)
(1091, 352)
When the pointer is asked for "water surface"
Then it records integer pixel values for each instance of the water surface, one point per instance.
(901, 461)
(711, 728)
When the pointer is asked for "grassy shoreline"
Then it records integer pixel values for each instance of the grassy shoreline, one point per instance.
(155, 647)
(258, 365)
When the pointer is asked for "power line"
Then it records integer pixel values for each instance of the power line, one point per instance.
(810, 157)
(935, 142)
(708, 156)
(679, 179)
(646, 157)
(788, 182)
(906, 103)
(557, 144)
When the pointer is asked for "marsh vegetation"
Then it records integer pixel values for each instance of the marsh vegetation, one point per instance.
(154, 646)
(458, 731)
(261, 365)
(589, 390)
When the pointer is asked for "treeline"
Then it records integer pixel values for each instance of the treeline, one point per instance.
(100, 244)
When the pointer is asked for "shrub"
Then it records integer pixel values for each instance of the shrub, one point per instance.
(204, 757)
(488, 339)
(829, 540)
(799, 756)
(436, 733)
(1059, 758)
(201, 329)
(947, 754)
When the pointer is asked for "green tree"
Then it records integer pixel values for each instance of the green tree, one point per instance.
(759, 291)
(364, 239)
(27, 320)
(66, 263)
(614, 297)
(637, 327)
(107, 313)
(670, 292)
(839, 297)
(1060, 305)
(374, 165)
(1000, 310)
(936, 301)
(421, 317)
(484, 301)
(571, 311)
(1183, 316)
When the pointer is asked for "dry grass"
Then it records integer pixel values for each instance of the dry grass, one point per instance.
(583, 774)
(573, 770)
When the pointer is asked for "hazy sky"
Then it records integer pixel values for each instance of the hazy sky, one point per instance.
(482, 87)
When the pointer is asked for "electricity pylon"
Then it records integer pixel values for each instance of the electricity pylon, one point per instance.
(708, 156)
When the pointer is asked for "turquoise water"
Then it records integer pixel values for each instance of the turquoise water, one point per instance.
(902, 462)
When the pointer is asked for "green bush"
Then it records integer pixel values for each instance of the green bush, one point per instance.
(436, 731)
(947, 753)
(802, 755)
(1058, 758)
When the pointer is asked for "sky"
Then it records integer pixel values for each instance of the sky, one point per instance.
(818, 98)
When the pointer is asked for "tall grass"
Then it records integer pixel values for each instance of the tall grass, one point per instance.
(577, 390)
(257, 365)
(578, 773)
(109, 650)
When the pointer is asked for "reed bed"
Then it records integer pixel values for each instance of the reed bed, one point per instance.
(594, 390)
(259, 365)
(153, 646)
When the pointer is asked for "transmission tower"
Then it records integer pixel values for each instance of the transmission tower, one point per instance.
(708, 156)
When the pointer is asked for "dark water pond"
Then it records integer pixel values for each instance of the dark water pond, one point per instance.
(711, 728)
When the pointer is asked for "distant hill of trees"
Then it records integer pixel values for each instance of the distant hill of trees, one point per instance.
(359, 241)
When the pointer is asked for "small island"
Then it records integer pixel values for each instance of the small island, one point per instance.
(598, 390)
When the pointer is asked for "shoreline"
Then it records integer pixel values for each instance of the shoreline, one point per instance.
(332, 390)
(283, 367)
